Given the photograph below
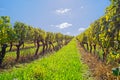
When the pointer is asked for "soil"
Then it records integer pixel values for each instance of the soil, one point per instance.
(98, 69)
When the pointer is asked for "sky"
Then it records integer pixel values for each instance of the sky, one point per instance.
(66, 16)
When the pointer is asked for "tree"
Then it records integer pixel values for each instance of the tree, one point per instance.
(20, 31)
(4, 28)
(59, 38)
(50, 38)
(11, 37)
(37, 39)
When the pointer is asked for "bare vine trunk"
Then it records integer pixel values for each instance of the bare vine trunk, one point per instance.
(11, 44)
(37, 49)
(18, 50)
(2, 53)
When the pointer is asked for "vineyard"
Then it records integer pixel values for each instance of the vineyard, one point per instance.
(22, 36)
(102, 38)
(31, 53)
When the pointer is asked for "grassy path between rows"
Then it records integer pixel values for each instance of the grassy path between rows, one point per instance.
(65, 64)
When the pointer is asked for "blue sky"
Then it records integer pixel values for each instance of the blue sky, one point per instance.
(65, 16)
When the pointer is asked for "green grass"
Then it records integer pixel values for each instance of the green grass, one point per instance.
(65, 64)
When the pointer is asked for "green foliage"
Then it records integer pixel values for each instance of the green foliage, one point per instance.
(105, 31)
(30, 34)
(4, 29)
(20, 31)
(50, 36)
(116, 71)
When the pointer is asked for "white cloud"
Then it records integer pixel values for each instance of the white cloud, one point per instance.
(64, 25)
(81, 29)
(63, 11)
